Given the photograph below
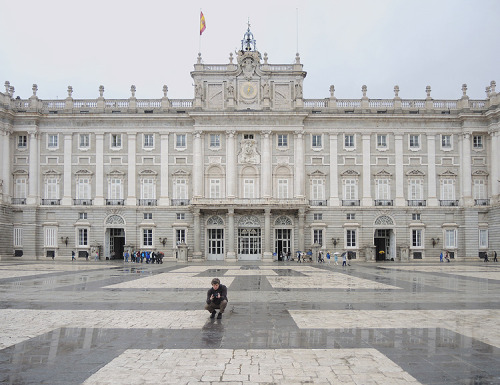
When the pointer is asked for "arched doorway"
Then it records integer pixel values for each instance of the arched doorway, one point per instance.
(249, 239)
(215, 238)
(283, 227)
(384, 238)
(114, 237)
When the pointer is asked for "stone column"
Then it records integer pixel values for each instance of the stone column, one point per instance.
(399, 177)
(302, 217)
(334, 177)
(6, 165)
(431, 171)
(299, 164)
(495, 166)
(268, 255)
(367, 196)
(466, 171)
(131, 169)
(34, 169)
(197, 254)
(164, 179)
(198, 167)
(230, 255)
(231, 164)
(266, 165)
(67, 178)
(99, 170)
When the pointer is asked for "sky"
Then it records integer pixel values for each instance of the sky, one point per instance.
(348, 44)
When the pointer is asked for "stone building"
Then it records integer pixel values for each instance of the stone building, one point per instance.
(249, 169)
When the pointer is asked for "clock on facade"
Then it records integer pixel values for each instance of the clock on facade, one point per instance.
(248, 90)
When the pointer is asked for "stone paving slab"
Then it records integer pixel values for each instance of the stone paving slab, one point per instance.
(263, 366)
(465, 271)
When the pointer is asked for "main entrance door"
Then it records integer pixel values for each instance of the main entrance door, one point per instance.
(383, 244)
(116, 242)
(249, 244)
(215, 244)
(282, 241)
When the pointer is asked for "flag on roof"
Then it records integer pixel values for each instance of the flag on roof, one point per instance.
(202, 23)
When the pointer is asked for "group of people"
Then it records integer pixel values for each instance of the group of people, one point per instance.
(494, 254)
(143, 256)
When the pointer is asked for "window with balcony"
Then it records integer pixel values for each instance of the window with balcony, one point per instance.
(180, 192)
(248, 188)
(215, 188)
(83, 196)
(20, 190)
(115, 192)
(282, 188)
(383, 192)
(350, 193)
(317, 192)
(448, 192)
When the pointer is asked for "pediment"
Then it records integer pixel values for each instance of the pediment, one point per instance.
(51, 172)
(415, 173)
(350, 173)
(480, 173)
(148, 173)
(448, 173)
(383, 173)
(83, 172)
(180, 173)
(116, 173)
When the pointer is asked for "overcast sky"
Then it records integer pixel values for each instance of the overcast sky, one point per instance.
(148, 43)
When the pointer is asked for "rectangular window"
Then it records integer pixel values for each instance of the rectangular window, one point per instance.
(181, 216)
(317, 189)
(180, 189)
(282, 188)
(350, 189)
(415, 217)
(349, 141)
(247, 136)
(51, 188)
(82, 215)
(350, 216)
(477, 141)
(318, 217)
(215, 188)
(180, 141)
(447, 189)
(479, 189)
(50, 236)
(383, 190)
(318, 236)
(350, 238)
(22, 141)
(416, 236)
(84, 141)
(180, 236)
(148, 140)
(446, 141)
(83, 188)
(415, 189)
(483, 238)
(450, 238)
(148, 215)
(282, 140)
(83, 237)
(18, 236)
(382, 141)
(215, 140)
(414, 141)
(116, 140)
(248, 188)
(316, 141)
(20, 188)
(148, 189)
(52, 141)
(115, 189)
(147, 237)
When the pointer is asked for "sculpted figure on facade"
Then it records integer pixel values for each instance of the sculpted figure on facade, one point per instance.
(248, 153)
(265, 89)
(230, 91)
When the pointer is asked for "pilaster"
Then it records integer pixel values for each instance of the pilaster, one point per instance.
(334, 180)
(399, 177)
(34, 168)
(299, 164)
(164, 177)
(266, 165)
(67, 177)
(231, 163)
(230, 255)
(431, 171)
(131, 177)
(466, 174)
(367, 199)
(268, 255)
(99, 169)
(198, 169)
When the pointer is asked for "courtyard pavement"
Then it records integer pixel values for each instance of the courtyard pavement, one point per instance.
(110, 322)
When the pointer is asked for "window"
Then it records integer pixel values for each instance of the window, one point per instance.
(180, 236)
(350, 216)
(350, 238)
(148, 140)
(51, 188)
(52, 141)
(82, 237)
(446, 142)
(479, 189)
(215, 188)
(414, 142)
(382, 141)
(318, 236)
(181, 216)
(148, 190)
(282, 188)
(115, 189)
(450, 239)
(22, 141)
(180, 141)
(383, 191)
(82, 215)
(415, 217)
(415, 189)
(83, 188)
(50, 236)
(84, 141)
(247, 136)
(447, 189)
(147, 237)
(477, 141)
(18, 236)
(416, 237)
(148, 215)
(350, 189)
(317, 189)
(318, 217)
(483, 238)
(214, 140)
(20, 188)
(116, 140)
(282, 140)
(349, 141)
(248, 188)
(180, 189)
(316, 141)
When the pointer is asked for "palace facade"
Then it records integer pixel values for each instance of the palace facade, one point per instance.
(249, 169)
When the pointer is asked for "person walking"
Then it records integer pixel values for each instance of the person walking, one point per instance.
(495, 256)
(328, 257)
(344, 259)
(441, 257)
(336, 258)
(73, 255)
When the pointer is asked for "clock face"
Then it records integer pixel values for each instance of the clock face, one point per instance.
(248, 90)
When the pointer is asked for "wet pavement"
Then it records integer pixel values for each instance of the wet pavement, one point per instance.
(119, 323)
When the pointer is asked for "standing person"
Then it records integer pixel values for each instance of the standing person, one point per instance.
(344, 259)
(336, 258)
(328, 257)
(216, 298)
(441, 257)
(495, 256)
(73, 255)
(125, 254)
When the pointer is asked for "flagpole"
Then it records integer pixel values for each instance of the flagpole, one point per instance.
(199, 40)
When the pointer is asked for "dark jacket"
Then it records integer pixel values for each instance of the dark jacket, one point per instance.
(223, 294)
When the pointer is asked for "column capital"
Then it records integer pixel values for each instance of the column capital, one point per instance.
(231, 133)
(197, 134)
(299, 133)
(266, 133)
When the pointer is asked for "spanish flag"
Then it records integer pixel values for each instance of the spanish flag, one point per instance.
(202, 23)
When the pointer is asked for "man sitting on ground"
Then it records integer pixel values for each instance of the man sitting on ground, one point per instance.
(216, 298)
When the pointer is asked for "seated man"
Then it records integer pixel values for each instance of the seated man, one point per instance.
(216, 298)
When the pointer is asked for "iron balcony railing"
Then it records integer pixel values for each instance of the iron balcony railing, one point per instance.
(350, 202)
(51, 202)
(417, 202)
(115, 202)
(82, 202)
(448, 203)
(147, 202)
